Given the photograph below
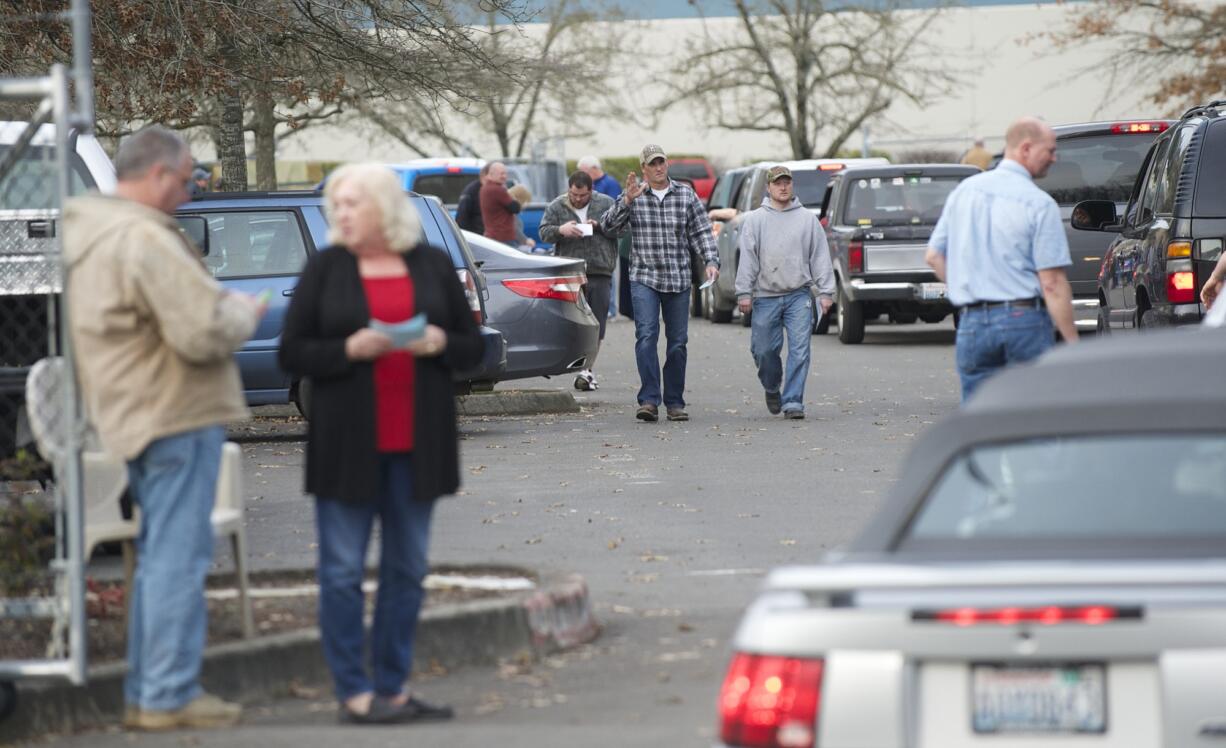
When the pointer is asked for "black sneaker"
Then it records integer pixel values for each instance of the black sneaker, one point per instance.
(773, 402)
(416, 710)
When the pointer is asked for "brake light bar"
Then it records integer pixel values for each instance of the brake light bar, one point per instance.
(770, 702)
(831, 167)
(1138, 128)
(564, 288)
(1045, 615)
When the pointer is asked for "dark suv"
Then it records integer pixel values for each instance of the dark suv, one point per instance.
(1171, 231)
(878, 220)
(1095, 161)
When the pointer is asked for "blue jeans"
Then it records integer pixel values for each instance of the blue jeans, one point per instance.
(174, 482)
(771, 316)
(648, 305)
(991, 339)
(344, 532)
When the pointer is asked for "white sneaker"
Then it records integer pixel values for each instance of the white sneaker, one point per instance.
(586, 381)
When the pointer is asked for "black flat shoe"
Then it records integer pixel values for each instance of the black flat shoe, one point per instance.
(416, 710)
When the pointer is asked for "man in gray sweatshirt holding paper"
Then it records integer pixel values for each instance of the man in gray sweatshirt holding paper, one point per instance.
(784, 257)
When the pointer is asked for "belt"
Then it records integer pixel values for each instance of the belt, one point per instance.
(1032, 303)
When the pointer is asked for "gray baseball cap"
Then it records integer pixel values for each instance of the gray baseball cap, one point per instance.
(651, 153)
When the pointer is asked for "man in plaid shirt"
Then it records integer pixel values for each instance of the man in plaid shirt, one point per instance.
(669, 226)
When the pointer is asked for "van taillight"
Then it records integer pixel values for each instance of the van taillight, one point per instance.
(855, 256)
(472, 294)
(1138, 128)
(770, 702)
(1180, 275)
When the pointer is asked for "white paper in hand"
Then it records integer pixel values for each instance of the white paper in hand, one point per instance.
(401, 333)
(584, 228)
(1216, 316)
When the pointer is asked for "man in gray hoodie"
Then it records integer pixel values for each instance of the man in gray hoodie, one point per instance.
(784, 256)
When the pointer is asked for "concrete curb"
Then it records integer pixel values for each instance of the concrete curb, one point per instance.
(481, 632)
(516, 403)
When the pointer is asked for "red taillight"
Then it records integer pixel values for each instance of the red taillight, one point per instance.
(472, 294)
(1046, 615)
(855, 256)
(565, 288)
(454, 170)
(831, 167)
(770, 702)
(1181, 287)
(1138, 128)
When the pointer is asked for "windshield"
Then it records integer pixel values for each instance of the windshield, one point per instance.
(1101, 167)
(1094, 488)
(896, 201)
(31, 182)
(446, 187)
(688, 171)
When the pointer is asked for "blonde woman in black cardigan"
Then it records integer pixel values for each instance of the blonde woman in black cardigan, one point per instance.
(382, 436)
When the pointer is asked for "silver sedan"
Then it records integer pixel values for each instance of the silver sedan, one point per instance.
(1050, 571)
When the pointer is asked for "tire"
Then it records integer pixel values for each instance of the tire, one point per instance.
(903, 318)
(1149, 320)
(1103, 327)
(851, 319)
(720, 316)
(302, 398)
(747, 319)
(462, 388)
(932, 319)
(8, 699)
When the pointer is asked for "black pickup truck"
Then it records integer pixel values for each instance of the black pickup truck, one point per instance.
(878, 220)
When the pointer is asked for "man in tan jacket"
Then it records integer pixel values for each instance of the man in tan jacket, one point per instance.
(155, 336)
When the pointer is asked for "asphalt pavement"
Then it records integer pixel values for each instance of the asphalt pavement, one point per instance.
(672, 525)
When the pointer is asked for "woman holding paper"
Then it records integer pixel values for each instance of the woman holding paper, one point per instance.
(382, 436)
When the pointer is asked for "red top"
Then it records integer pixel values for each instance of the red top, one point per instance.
(391, 300)
(496, 212)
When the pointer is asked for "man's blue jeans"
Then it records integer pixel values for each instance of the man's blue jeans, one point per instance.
(991, 339)
(648, 305)
(344, 533)
(174, 482)
(773, 315)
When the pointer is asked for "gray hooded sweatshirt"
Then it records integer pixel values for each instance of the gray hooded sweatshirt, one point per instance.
(783, 251)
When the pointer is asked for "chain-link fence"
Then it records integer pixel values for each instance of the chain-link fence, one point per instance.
(42, 623)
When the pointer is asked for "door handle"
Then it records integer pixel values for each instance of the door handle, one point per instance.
(288, 292)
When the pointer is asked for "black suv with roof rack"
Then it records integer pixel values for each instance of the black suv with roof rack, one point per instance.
(1171, 231)
(1094, 161)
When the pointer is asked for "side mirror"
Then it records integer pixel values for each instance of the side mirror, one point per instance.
(196, 229)
(1095, 215)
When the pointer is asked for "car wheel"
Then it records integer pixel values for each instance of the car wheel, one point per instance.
(747, 319)
(720, 316)
(1102, 327)
(933, 318)
(462, 388)
(851, 319)
(302, 397)
(903, 318)
(1150, 320)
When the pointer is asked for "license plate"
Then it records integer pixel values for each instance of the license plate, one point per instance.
(1039, 699)
(932, 291)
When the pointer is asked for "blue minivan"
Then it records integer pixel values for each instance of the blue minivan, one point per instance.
(259, 241)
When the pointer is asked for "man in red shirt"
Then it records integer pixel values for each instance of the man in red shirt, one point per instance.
(498, 208)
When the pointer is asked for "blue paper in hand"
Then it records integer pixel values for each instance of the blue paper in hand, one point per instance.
(401, 333)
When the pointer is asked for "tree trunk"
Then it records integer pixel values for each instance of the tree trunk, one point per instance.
(265, 127)
(233, 155)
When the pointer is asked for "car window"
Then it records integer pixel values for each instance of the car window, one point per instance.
(752, 191)
(1149, 190)
(1167, 183)
(1210, 198)
(720, 193)
(1098, 167)
(1091, 487)
(31, 184)
(688, 171)
(809, 186)
(253, 244)
(896, 201)
(446, 187)
(1133, 209)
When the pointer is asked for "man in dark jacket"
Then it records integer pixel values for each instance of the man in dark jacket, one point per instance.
(468, 211)
(572, 224)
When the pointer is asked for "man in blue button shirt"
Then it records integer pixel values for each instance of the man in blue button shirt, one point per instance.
(1001, 250)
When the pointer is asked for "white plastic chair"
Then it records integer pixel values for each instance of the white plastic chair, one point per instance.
(105, 478)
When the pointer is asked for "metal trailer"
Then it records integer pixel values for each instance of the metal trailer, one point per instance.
(35, 179)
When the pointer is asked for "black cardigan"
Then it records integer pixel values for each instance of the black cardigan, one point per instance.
(328, 305)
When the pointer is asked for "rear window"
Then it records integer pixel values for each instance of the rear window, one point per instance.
(1098, 167)
(896, 201)
(446, 187)
(809, 186)
(1162, 487)
(688, 171)
(31, 183)
(1210, 197)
